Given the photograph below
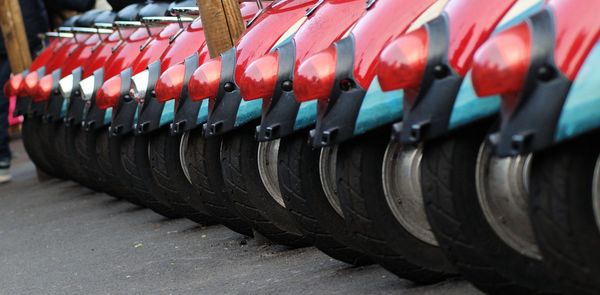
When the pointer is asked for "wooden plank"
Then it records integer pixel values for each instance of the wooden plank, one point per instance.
(223, 24)
(15, 37)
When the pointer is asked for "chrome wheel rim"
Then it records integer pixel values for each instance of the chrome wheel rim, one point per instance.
(401, 175)
(327, 163)
(596, 193)
(503, 191)
(183, 146)
(268, 152)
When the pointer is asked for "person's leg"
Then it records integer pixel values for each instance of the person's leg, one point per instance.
(5, 154)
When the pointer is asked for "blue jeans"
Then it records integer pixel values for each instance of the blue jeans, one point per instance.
(4, 144)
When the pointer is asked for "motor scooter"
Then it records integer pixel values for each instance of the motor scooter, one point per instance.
(544, 71)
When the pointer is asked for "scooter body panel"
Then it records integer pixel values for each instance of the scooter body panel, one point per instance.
(152, 114)
(563, 35)
(274, 27)
(281, 114)
(357, 60)
(188, 114)
(101, 54)
(121, 59)
(123, 114)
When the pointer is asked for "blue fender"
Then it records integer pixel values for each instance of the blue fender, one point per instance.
(64, 107)
(248, 111)
(378, 108)
(580, 111)
(108, 116)
(168, 113)
(307, 115)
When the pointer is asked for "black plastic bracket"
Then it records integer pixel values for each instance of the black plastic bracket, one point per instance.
(150, 110)
(55, 101)
(93, 117)
(428, 116)
(223, 112)
(531, 125)
(124, 112)
(76, 104)
(279, 112)
(336, 118)
(186, 110)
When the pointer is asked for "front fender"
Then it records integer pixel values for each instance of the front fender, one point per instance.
(580, 111)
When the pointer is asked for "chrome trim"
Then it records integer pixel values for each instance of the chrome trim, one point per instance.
(103, 25)
(126, 24)
(401, 177)
(267, 155)
(327, 167)
(64, 29)
(91, 30)
(596, 193)
(59, 35)
(189, 10)
(149, 20)
(503, 192)
(183, 146)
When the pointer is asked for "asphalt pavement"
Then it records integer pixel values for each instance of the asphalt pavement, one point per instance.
(57, 237)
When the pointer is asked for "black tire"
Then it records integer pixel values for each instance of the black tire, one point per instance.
(562, 213)
(165, 166)
(55, 159)
(362, 160)
(448, 181)
(300, 185)
(73, 163)
(358, 178)
(61, 136)
(115, 185)
(204, 167)
(122, 157)
(31, 141)
(84, 148)
(138, 151)
(247, 193)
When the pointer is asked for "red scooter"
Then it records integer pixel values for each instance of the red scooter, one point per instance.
(270, 78)
(216, 80)
(545, 70)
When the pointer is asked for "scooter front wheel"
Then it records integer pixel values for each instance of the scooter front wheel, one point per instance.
(63, 137)
(565, 186)
(171, 179)
(201, 161)
(298, 179)
(121, 152)
(47, 139)
(367, 213)
(455, 212)
(33, 147)
(239, 152)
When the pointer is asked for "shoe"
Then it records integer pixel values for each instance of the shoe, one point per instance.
(5, 171)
